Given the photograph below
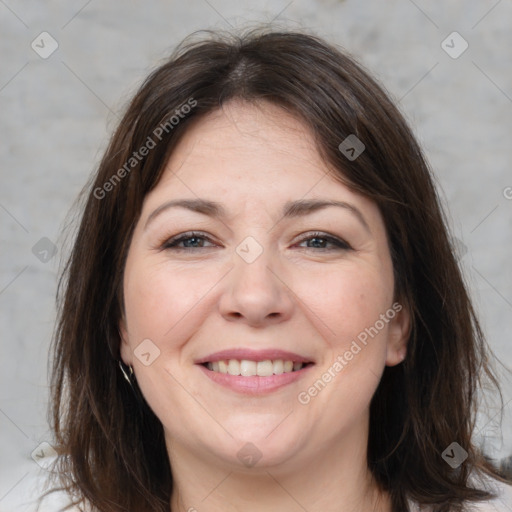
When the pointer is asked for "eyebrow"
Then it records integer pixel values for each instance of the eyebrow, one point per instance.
(291, 209)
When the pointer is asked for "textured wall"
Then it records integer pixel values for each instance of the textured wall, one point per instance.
(58, 109)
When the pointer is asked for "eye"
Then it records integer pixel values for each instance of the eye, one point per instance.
(195, 240)
(195, 237)
(321, 239)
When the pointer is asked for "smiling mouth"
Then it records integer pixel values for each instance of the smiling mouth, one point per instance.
(248, 368)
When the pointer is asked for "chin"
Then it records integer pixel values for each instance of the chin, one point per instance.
(270, 448)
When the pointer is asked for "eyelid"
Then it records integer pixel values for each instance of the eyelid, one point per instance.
(338, 242)
(183, 236)
(335, 240)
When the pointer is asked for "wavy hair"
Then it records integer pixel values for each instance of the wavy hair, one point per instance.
(111, 447)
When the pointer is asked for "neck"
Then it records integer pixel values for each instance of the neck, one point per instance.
(332, 479)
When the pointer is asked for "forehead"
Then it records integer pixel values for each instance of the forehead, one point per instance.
(260, 144)
(248, 137)
(252, 156)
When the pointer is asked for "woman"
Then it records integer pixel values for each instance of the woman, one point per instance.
(262, 309)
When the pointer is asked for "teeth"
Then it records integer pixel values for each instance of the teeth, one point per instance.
(223, 367)
(248, 368)
(265, 368)
(234, 367)
(278, 367)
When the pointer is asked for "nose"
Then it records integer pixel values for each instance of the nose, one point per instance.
(256, 292)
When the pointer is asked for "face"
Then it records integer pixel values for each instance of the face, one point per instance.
(293, 301)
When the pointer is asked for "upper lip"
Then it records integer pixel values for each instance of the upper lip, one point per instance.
(253, 355)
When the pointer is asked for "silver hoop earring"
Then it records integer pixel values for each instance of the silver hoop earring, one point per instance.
(128, 378)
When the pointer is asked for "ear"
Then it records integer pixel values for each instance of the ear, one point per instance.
(125, 349)
(398, 334)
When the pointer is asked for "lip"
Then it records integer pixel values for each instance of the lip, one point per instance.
(254, 355)
(254, 385)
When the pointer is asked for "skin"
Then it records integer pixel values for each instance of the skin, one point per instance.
(295, 296)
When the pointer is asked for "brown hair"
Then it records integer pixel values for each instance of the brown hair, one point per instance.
(111, 444)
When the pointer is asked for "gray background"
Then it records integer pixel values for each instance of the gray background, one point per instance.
(58, 112)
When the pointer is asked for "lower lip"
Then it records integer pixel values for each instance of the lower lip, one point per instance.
(254, 385)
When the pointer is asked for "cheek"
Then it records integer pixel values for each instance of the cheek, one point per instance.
(158, 297)
(350, 303)
(347, 300)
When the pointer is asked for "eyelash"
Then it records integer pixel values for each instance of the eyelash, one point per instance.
(171, 244)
